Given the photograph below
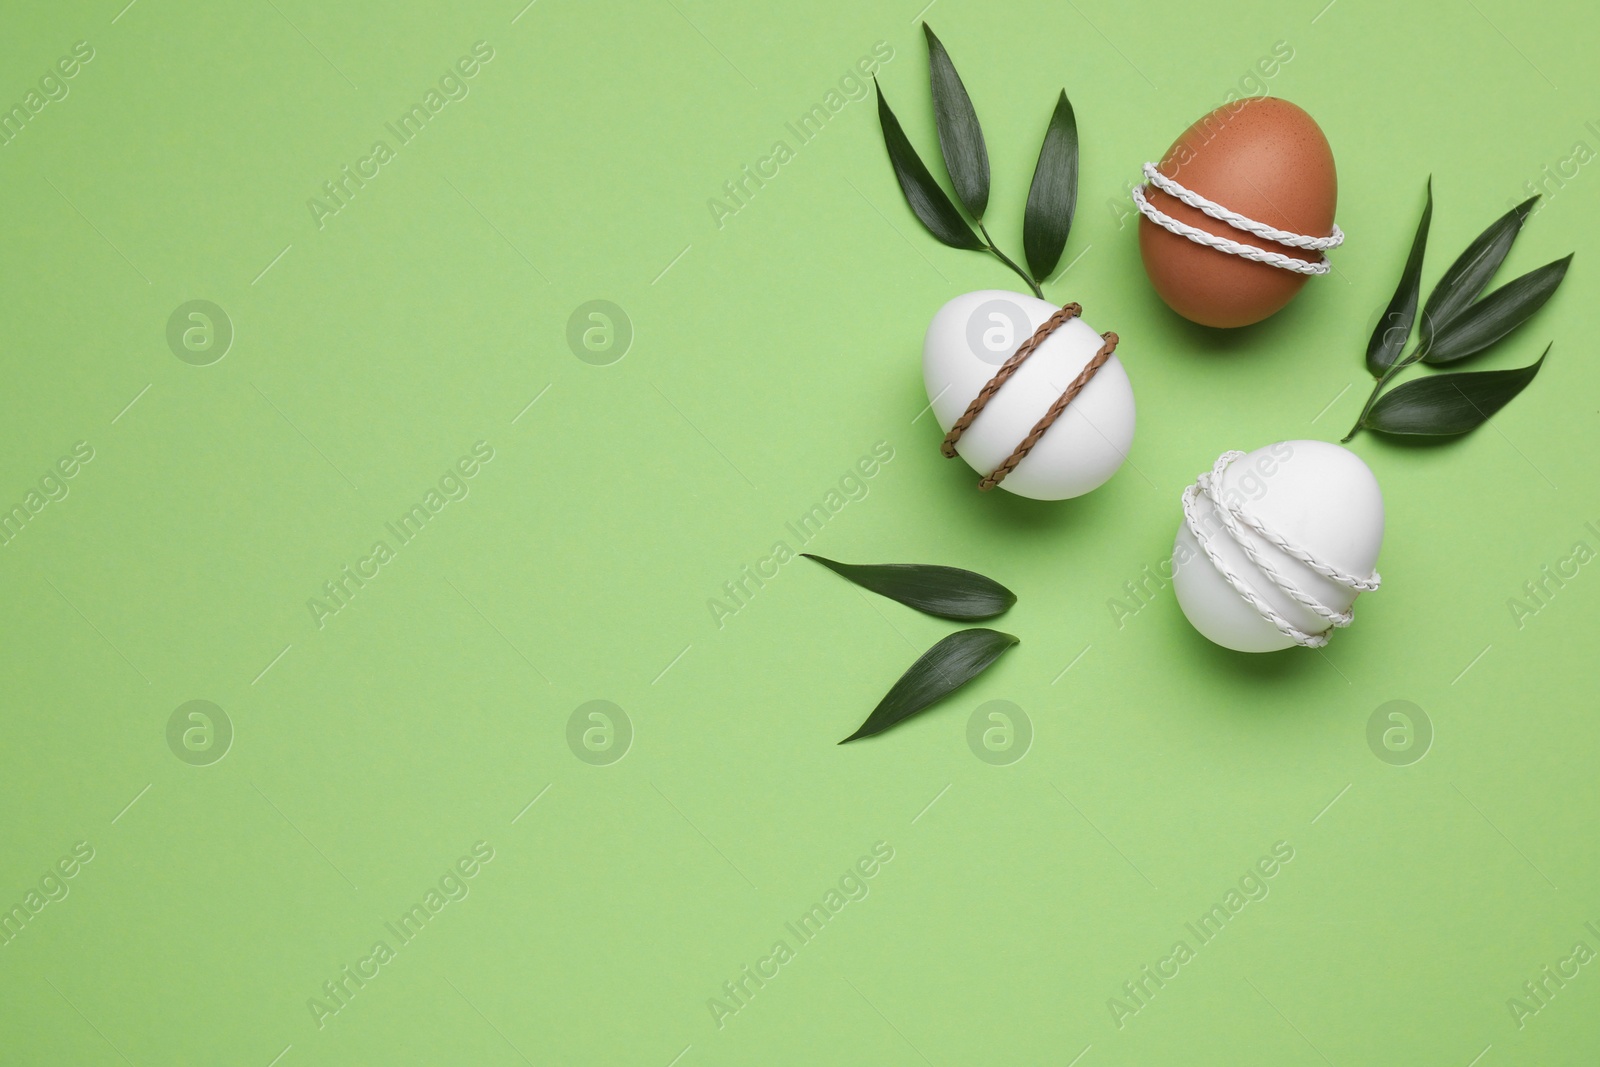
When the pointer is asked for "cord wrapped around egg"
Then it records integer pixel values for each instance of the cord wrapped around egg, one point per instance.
(1028, 394)
(1239, 213)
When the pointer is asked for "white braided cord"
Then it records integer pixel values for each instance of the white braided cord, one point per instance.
(1173, 188)
(1236, 521)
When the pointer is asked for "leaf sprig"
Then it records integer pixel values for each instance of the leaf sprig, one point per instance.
(1456, 324)
(1052, 198)
(948, 593)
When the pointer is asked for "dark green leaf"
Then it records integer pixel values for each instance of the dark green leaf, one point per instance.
(927, 200)
(960, 136)
(1471, 271)
(1444, 404)
(1394, 328)
(947, 592)
(940, 671)
(1054, 194)
(1496, 315)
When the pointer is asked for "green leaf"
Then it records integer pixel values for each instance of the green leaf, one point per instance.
(1496, 315)
(940, 671)
(945, 592)
(1444, 404)
(1054, 194)
(960, 136)
(927, 200)
(1461, 284)
(1394, 328)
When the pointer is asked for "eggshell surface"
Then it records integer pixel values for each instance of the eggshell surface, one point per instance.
(1266, 159)
(1319, 496)
(966, 343)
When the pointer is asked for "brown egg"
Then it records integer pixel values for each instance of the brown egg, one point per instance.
(1265, 159)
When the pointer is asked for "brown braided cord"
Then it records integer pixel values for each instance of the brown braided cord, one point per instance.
(1067, 313)
(1054, 413)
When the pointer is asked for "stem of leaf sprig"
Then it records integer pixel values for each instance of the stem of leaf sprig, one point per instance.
(1456, 324)
(1366, 409)
(1052, 198)
(1008, 261)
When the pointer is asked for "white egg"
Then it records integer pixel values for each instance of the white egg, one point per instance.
(970, 337)
(1314, 497)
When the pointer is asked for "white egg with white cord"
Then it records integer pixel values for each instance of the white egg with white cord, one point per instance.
(968, 341)
(1276, 544)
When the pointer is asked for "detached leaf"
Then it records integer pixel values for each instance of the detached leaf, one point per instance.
(1496, 315)
(927, 200)
(960, 136)
(1054, 194)
(1444, 404)
(945, 592)
(940, 671)
(1394, 328)
(1471, 271)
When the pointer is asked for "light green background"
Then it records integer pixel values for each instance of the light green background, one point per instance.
(768, 356)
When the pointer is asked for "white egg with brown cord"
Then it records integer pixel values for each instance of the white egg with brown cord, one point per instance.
(1028, 394)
